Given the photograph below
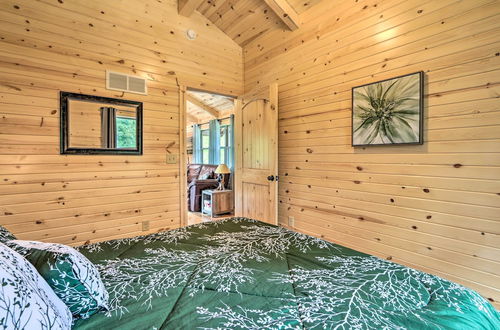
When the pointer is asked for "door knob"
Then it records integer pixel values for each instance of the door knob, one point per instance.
(270, 178)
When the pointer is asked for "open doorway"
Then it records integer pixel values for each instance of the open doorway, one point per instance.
(208, 136)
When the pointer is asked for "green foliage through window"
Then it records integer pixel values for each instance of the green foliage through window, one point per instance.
(205, 146)
(126, 132)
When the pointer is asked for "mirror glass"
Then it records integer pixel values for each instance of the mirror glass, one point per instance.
(98, 125)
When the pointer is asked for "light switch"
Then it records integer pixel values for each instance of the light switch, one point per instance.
(171, 159)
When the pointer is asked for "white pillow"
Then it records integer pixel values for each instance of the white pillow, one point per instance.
(26, 300)
(72, 277)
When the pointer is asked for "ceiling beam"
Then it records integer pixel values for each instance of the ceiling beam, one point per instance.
(285, 12)
(187, 7)
(202, 105)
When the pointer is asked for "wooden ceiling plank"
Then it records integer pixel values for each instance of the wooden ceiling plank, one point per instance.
(285, 12)
(191, 119)
(187, 7)
(202, 105)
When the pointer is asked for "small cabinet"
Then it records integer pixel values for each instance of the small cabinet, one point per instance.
(217, 202)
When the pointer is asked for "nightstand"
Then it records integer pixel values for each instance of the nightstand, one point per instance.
(216, 202)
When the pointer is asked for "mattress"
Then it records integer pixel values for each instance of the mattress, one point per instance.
(240, 273)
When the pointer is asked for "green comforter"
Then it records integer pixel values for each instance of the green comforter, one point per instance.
(240, 273)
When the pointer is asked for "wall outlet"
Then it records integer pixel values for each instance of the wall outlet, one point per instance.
(291, 221)
(145, 225)
(171, 159)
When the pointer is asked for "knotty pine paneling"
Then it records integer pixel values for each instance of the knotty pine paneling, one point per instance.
(435, 207)
(47, 46)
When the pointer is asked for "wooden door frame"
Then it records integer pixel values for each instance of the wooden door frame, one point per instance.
(183, 156)
(182, 145)
(238, 160)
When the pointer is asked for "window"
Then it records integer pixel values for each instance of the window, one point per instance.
(213, 143)
(205, 146)
(126, 136)
(225, 144)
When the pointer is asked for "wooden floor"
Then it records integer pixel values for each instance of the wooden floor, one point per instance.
(198, 217)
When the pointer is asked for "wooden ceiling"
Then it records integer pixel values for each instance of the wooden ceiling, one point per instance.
(202, 106)
(301, 6)
(246, 20)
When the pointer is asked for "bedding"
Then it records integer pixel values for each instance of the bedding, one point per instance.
(26, 300)
(74, 279)
(5, 235)
(240, 273)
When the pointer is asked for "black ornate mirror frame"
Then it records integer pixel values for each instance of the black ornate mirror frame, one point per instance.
(64, 111)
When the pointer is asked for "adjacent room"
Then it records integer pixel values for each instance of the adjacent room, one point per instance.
(209, 155)
(249, 164)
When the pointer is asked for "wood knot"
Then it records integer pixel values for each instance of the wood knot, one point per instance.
(457, 165)
(309, 150)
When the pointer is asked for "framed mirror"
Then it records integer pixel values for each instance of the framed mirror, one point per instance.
(100, 125)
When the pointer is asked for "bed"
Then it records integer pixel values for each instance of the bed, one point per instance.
(240, 273)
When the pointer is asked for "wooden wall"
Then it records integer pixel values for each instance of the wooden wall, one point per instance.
(47, 46)
(435, 207)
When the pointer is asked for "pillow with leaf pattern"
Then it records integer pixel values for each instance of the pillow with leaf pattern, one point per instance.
(5, 235)
(69, 273)
(26, 300)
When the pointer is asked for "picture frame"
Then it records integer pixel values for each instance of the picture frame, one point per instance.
(388, 112)
(65, 109)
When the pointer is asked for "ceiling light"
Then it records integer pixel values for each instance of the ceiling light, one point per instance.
(191, 34)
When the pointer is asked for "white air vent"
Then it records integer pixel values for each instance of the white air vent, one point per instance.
(126, 83)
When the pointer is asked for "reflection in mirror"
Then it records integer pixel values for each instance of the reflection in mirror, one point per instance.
(98, 125)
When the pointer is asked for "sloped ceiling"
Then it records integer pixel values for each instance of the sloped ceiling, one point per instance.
(197, 114)
(301, 6)
(246, 20)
